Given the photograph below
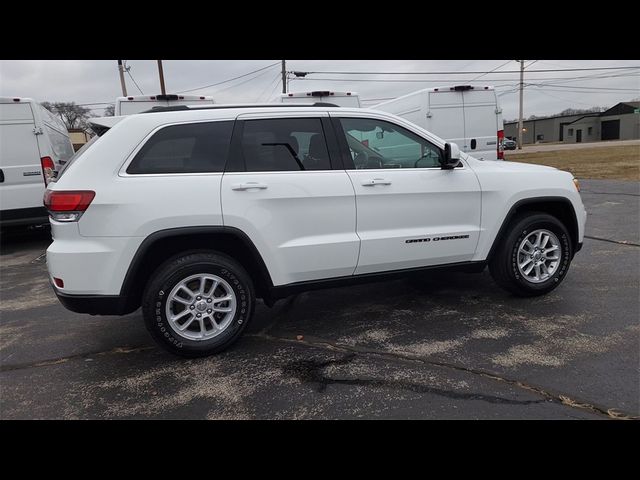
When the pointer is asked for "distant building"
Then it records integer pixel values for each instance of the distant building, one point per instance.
(78, 137)
(620, 122)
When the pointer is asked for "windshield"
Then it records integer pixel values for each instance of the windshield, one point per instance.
(77, 155)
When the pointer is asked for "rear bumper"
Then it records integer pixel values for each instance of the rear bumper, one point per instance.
(95, 304)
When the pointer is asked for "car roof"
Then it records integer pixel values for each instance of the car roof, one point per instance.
(215, 112)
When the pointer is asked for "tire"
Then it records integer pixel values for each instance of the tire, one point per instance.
(504, 266)
(164, 298)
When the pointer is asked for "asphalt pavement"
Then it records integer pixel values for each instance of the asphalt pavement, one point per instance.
(445, 346)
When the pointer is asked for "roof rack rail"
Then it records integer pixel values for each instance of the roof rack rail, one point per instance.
(178, 108)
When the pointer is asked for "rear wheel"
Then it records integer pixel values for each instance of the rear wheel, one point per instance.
(534, 256)
(198, 304)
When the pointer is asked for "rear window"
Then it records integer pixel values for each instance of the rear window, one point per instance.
(77, 155)
(61, 144)
(190, 148)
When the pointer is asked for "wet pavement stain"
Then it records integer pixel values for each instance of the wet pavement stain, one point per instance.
(313, 371)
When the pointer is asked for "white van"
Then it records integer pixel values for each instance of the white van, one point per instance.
(141, 103)
(34, 145)
(341, 99)
(467, 115)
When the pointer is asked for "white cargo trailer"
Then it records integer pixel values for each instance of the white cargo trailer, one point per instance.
(34, 145)
(467, 115)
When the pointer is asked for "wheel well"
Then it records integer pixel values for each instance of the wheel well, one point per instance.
(559, 208)
(155, 251)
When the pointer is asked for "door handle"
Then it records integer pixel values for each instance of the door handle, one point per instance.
(375, 181)
(248, 186)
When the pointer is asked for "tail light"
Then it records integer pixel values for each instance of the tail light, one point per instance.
(48, 169)
(67, 205)
(500, 144)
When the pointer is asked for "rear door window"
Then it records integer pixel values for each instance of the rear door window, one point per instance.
(188, 148)
(284, 144)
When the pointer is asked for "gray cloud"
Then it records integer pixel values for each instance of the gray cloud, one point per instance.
(89, 81)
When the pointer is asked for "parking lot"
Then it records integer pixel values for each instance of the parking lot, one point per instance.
(429, 346)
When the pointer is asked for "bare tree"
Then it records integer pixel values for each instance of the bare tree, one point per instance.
(110, 111)
(73, 116)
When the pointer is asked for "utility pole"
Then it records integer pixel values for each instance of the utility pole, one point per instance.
(284, 76)
(520, 124)
(124, 86)
(161, 73)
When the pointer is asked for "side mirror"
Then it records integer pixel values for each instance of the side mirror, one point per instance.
(451, 156)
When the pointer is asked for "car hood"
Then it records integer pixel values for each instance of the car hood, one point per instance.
(506, 166)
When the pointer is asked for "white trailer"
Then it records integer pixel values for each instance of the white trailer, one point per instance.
(34, 145)
(467, 115)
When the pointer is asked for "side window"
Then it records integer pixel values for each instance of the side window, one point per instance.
(188, 148)
(284, 144)
(379, 144)
(60, 143)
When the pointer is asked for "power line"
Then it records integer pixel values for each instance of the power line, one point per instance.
(565, 100)
(274, 89)
(500, 66)
(230, 79)
(241, 83)
(581, 79)
(128, 70)
(546, 70)
(493, 80)
(578, 88)
(135, 83)
(269, 85)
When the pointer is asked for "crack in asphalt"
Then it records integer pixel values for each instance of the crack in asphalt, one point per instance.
(311, 371)
(557, 398)
(79, 356)
(619, 242)
(610, 193)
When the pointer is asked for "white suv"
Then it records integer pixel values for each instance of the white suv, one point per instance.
(193, 213)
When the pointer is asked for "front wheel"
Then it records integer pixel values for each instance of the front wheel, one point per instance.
(534, 256)
(198, 304)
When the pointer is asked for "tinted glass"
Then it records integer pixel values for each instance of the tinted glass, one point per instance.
(284, 144)
(62, 147)
(189, 148)
(379, 144)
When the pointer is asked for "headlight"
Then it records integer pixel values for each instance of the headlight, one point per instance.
(577, 184)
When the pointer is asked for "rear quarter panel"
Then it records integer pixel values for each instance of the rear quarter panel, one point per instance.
(138, 205)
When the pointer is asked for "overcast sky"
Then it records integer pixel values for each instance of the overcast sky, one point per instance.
(89, 81)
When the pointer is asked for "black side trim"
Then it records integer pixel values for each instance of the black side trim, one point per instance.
(527, 201)
(24, 216)
(347, 161)
(94, 304)
(332, 144)
(283, 291)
